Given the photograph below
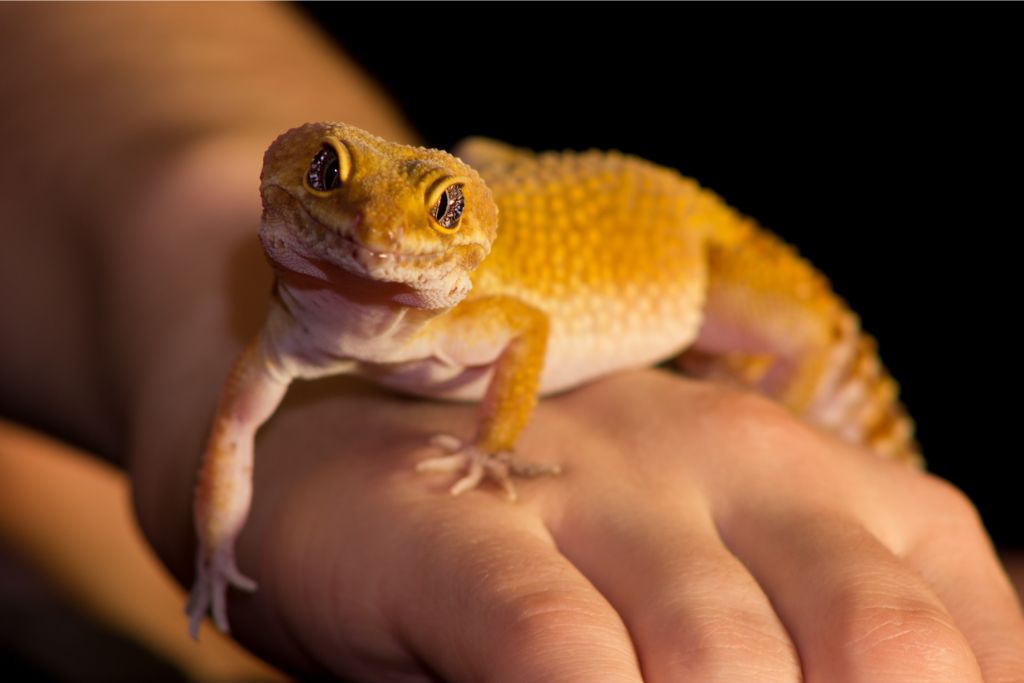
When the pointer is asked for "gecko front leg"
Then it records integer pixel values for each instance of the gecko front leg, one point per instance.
(223, 493)
(510, 397)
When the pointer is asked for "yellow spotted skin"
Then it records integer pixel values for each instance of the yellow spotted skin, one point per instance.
(591, 244)
(605, 244)
(630, 261)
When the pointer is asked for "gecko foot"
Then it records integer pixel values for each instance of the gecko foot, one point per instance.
(213, 575)
(478, 464)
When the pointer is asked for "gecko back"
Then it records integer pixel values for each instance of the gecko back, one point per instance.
(636, 264)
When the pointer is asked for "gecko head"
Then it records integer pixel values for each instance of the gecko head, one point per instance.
(337, 197)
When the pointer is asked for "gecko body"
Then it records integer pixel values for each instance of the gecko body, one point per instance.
(499, 275)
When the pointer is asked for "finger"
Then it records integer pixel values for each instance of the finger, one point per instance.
(493, 600)
(695, 613)
(855, 612)
(957, 560)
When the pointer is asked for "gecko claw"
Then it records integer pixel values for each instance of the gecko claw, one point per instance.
(209, 592)
(479, 465)
(473, 477)
(446, 442)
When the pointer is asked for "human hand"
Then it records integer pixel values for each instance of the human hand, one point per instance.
(696, 534)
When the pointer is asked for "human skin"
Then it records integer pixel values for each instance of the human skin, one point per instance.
(695, 533)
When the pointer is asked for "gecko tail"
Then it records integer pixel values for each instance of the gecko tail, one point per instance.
(858, 399)
(773, 324)
(854, 396)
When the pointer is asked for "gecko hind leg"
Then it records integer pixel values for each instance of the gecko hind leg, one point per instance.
(480, 464)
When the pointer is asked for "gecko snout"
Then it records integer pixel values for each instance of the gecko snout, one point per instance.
(386, 237)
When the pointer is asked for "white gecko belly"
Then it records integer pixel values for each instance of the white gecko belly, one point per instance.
(620, 337)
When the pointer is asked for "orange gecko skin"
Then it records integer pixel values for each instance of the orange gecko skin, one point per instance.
(615, 249)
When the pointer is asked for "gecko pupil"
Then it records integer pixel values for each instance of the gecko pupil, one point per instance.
(448, 209)
(323, 171)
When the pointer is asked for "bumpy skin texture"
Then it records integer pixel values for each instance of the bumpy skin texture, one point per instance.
(600, 262)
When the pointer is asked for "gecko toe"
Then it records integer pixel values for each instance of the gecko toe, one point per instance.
(220, 604)
(239, 580)
(215, 572)
(198, 604)
(472, 478)
(444, 463)
(447, 442)
(478, 465)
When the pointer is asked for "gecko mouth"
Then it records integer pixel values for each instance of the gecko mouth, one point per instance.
(309, 237)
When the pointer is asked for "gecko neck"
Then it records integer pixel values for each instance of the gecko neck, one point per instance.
(348, 317)
(364, 314)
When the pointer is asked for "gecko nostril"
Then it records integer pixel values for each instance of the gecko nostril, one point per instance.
(395, 235)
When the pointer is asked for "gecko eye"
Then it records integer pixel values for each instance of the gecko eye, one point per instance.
(325, 170)
(448, 209)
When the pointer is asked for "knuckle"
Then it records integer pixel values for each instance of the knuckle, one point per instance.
(729, 644)
(766, 436)
(750, 417)
(952, 503)
(559, 634)
(548, 614)
(736, 406)
(905, 635)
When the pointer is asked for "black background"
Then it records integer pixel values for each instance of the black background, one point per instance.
(887, 149)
